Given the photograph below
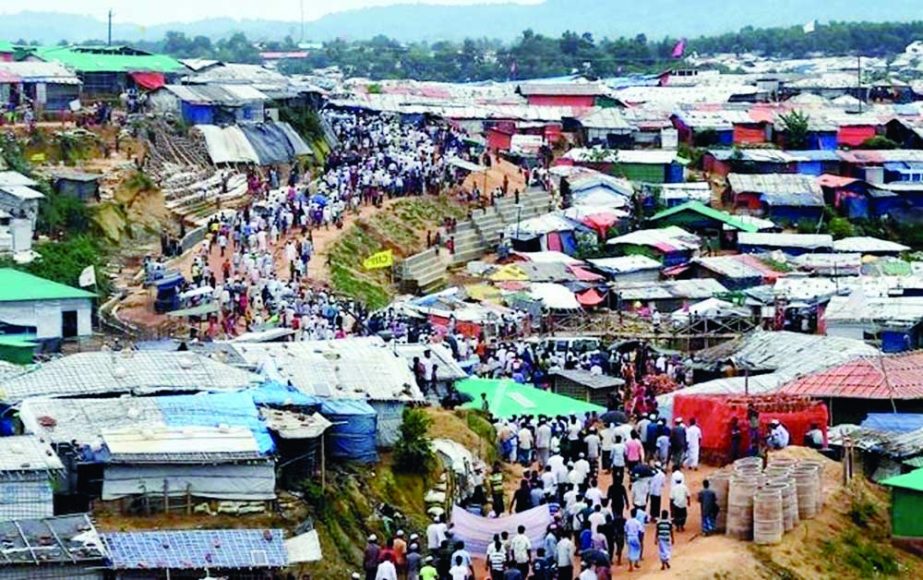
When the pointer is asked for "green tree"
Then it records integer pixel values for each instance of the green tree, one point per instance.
(413, 452)
(797, 127)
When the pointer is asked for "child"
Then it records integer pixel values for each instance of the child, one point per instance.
(665, 539)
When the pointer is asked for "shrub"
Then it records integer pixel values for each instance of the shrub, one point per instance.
(413, 452)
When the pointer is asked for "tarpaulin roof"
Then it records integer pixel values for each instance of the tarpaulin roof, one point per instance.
(554, 296)
(828, 180)
(893, 422)
(149, 80)
(507, 398)
(591, 297)
(227, 144)
(912, 481)
(263, 143)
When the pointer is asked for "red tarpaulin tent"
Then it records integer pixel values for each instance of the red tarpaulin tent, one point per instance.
(591, 297)
(714, 414)
(150, 81)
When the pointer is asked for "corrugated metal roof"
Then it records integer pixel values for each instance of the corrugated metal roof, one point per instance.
(590, 380)
(639, 156)
(50, 542)
(800, 241)
(626, 264)
(672, 238)
(17, 286)
(608, 118)
(738, 266)
(27, 453)
(229, 95)
(96, 373)
(179, 444)
(563, 89)
(36, 71)
(448, 370)
(772, 184)
(352, 368)
(697, 289)
(883, 377)
(197, 549)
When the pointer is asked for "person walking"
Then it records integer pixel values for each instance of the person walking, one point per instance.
(521, 551)
(633, 537)
(693, 444)
(370, 558)
(665, 539)
(708, 501)
(679, 500)
(565, 557)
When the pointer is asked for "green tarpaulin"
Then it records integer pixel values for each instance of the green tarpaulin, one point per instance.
(507, 398)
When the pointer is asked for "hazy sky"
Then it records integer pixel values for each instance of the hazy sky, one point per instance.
(161, 11)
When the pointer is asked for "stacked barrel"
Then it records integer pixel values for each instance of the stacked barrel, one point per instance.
(765, 502)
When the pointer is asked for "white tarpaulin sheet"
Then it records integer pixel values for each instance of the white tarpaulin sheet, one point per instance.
(304, 548)
(554, 296)
(478, 532)
(237, 482)
(228, 145)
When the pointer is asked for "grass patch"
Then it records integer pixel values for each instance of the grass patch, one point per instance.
(401, 228)
(868, 558)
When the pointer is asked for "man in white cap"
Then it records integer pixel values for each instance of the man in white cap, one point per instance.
(678, 442)
(778, 435)
(370, 558)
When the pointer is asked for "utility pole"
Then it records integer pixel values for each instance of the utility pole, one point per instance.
(859, 80)
(302, 22)
(110, 28)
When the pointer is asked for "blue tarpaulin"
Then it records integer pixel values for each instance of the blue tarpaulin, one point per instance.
(213, 410)
(275, 394)
(354, 431)
(894, 422)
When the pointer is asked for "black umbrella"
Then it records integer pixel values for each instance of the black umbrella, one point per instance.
(614, 417)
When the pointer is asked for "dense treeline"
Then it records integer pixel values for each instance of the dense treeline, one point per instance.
(535, 55)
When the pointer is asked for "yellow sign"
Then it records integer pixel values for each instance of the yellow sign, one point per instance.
(37, 158)
(380, 260)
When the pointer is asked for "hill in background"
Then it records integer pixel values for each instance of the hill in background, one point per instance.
(612, 18)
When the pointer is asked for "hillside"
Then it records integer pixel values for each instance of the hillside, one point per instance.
(406, 22)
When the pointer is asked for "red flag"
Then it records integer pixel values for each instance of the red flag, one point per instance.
(680, 49)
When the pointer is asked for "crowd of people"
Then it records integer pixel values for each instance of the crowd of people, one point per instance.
(254, 262)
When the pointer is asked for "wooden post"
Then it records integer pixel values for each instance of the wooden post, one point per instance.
(323, 463)
(189, 499)
(166, 496)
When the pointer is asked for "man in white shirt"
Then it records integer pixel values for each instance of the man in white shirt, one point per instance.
(581, 468)
(525, 446)
(618, 459)
(542, 443)
(656, 490)
(778, 435)
(594, 495)
(693, 444)
(606, 439)
(565, 557)
(549, 481)
(435, 533)
(521, 551)
(592, 443)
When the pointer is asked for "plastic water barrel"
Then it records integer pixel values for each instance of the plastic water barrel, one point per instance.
(789, 501)
(719, 484)
(820, 480)
(806, 487)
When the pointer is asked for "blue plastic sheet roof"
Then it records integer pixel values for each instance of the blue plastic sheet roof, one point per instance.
(346, 407)
(894, 422)
(213, 410)
(275, 394)
(197, 549)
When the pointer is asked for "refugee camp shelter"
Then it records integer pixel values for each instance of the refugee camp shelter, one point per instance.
(781, 197)
(584, 385)
(507, 398)
(267, 143)
(182, 463)
(29, 470)
(667, 295)
(906, 507)
(627, 269)
(672, 245)
(211, 104)
(857, 387)
(42, 310)
(644, 165)
(606, 126)
(52, 548)
(78, 184)
(88, 374)
(791, 244)
(735, 271)
(18, 212)
(299, 443)
(224, 553)
(362, 369)
(893, 321)
(697, 217)
(566, 94)
(109, 70)
(448, 370)
(48, 86)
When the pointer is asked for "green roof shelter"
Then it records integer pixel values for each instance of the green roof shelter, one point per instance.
(108, 70)
(17, 350)
(47, 310)
(696, 216)
(507, 398)
(907, 507)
